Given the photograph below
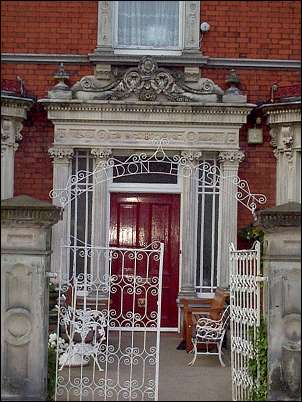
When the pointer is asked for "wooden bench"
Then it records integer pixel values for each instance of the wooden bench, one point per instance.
(211, 308)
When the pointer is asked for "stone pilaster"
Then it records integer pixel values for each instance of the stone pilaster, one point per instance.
(285, 131)
(229, 163)
(100, 207)
(189, 224)
(62, 161)
(105, 20)
(10, 134)
(13, 112)
(286, 140)
(191, 26)
(25, 260)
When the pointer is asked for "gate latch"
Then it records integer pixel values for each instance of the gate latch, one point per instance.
(141, 302)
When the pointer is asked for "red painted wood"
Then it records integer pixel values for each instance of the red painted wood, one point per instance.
(138, 220)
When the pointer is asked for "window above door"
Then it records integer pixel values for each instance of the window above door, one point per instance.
(154, 26)
(148, 27)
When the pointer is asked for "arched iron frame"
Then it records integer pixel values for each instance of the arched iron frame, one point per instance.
(141, 163)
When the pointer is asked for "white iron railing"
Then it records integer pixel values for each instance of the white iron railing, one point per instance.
(110, 317)
(245, 316)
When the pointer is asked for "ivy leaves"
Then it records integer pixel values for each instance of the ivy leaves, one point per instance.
(258, 365)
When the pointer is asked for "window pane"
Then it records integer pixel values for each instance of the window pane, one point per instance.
(144, 172)
(207, 240)
(81, 213)
(148, 24)
(207, 227)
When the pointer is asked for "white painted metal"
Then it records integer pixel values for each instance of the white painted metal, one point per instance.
(208, 332)
(245, 315)
(141, 163)
(86, 177)
(111, 324)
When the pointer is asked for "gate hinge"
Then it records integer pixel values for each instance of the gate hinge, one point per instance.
(261, 278)
(51, 274)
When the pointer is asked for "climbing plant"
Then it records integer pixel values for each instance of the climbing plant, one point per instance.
(252, 233)
(258, 364)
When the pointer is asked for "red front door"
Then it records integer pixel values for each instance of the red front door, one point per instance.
(137, 220)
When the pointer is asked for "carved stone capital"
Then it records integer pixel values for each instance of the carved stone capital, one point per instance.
(101, 153)
(61, 153)
(230, 156)
(274, 137)
(276, 153)
(18, 128)
(11, 130)
(288, 147)
(192, 156)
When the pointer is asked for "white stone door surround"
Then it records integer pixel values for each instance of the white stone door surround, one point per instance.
(104, 126)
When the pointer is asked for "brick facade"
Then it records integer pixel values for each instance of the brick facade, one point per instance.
(239, 29)
(244, 29)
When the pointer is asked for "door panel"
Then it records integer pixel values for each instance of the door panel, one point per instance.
(138, 220)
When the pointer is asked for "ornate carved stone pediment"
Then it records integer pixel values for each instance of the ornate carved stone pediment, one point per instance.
(148, 82)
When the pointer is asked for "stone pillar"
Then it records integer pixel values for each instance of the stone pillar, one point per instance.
(189, 225)
(282, 267)
(62, 161)
(100, 222)
(25, 260)
(229, 163)
(13, 112)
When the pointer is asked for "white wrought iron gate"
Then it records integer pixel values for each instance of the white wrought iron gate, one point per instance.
(245, 303)
(109, 315)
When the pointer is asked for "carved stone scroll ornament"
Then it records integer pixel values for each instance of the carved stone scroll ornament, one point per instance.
(288, 147)
(101, 153)
(148, 82)
(192, 156)
(61, 153)
(11, 132)
(230, 156)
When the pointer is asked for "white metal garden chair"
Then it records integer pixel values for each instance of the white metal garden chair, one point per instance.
(82, 322)
(209, 332)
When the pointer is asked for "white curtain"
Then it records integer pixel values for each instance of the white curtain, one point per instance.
(150, 24)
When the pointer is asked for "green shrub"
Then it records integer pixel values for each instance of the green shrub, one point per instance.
(258, 365)
(51, 375)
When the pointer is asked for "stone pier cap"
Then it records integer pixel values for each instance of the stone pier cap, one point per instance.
(23, 210)
(285, 215)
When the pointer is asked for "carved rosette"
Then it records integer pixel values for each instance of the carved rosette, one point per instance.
(61, 153)
(230, 157)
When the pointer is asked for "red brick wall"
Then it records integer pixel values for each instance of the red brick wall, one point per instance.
(252, 29)
(248, 29)
(48, 26)
(33, 166)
